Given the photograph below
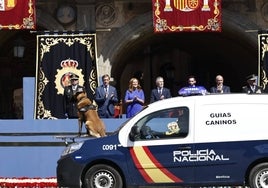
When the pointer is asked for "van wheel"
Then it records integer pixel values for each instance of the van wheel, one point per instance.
(258, 177)
(102, 176)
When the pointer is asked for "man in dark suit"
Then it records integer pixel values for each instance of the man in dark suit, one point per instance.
(160, 92)
(252, 86)
(220, 88)
(69, 102)
(106, 98)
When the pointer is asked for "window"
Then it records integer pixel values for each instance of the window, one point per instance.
(169, 123)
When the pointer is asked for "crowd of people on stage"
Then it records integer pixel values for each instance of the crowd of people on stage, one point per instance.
(134, 97)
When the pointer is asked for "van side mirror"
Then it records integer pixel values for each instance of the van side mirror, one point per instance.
(134, 133)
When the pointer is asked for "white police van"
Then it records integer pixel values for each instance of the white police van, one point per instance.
(212, 140)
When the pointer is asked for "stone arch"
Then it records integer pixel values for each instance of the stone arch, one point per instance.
(124, 41)
(141, 27)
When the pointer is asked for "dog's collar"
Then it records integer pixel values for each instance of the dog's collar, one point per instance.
(88, 107)
(92, 107)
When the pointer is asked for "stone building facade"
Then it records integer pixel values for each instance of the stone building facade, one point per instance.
(126, 44)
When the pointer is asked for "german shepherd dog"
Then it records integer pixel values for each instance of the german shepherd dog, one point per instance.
(87, 113)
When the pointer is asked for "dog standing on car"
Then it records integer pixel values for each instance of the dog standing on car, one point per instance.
(87, 114)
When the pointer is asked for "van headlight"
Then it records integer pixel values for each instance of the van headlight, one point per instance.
(72, 148)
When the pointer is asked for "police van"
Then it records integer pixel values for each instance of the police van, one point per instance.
(211, 140)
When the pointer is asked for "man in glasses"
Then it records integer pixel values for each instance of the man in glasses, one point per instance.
(220, 87)
(69, 102)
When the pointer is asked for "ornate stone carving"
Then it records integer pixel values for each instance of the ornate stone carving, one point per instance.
(106, 14)
(264, 11)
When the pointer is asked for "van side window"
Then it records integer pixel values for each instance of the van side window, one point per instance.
(165, 124)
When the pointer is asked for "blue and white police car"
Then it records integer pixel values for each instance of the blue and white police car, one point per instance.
(211, 140)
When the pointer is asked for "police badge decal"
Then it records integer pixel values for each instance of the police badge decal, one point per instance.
(68, 67)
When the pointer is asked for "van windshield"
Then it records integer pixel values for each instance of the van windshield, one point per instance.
(123, 124)
(120, 127)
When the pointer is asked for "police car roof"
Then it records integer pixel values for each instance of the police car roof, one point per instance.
(215, 98)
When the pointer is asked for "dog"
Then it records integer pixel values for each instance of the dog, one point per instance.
(87, 113)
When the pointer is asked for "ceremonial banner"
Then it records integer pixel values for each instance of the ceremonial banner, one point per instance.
(17, 14)
(58, 57)
(186, 15)
(263, 60)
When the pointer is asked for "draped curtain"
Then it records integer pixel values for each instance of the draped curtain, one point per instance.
(59, 56)
(263, 60)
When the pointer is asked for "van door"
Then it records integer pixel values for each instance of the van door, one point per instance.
(162, 138)
(222, 148)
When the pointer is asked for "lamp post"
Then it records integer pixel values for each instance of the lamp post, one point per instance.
(19, 47)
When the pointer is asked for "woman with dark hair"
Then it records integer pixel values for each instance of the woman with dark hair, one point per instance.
(134, 98)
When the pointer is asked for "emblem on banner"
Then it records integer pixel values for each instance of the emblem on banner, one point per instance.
(6, 5)
(69, 67)
(186, 5)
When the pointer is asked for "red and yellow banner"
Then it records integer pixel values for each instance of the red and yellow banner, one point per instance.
(186, 15)
(17, 14)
